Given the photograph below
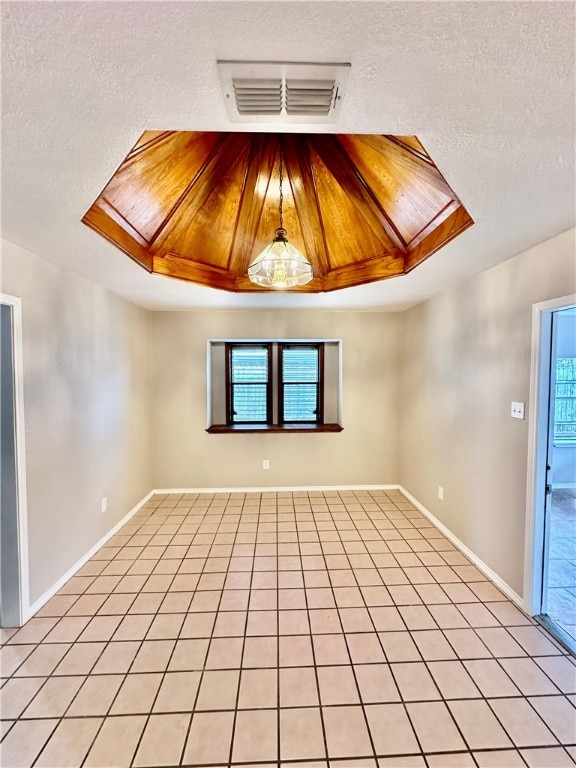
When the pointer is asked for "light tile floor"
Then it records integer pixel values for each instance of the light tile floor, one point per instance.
(562, 560)
(304, 629)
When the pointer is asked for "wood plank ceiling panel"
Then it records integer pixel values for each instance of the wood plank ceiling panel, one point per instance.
(151, 180)
(411, 191)
(205, 232)
(200, 206)
(345, 216)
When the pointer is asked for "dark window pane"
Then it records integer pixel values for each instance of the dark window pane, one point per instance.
(249, 403)
(249, 364)
(300, 402)
(300, 364)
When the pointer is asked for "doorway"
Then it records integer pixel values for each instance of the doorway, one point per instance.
(551, 586)
(14, 597)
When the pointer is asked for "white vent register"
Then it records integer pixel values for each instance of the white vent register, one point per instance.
(281, 92)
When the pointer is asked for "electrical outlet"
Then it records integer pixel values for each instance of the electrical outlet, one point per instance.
(517, 410)
(441, 493)
(104, 505)
(265, 464)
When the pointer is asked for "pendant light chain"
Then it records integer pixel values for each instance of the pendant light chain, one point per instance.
(280, 265)
(281, 193)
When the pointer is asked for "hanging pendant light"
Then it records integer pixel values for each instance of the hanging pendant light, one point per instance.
(280, 265)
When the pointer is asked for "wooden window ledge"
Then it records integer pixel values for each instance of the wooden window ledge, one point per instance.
(224, 429)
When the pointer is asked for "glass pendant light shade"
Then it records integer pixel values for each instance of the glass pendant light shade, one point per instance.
(280, 265)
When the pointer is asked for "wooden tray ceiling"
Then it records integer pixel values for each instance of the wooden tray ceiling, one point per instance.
(200, 206)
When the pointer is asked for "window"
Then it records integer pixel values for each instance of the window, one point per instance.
(249, 378)
(565, 401)
(275, 386)
(299, 387)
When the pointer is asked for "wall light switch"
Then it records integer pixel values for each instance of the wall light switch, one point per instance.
(441, 493)
(104, 504)
(265, 464)
(517, 410)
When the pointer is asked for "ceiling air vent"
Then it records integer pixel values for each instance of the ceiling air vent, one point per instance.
(281, 93)
(309, 97)
(257, 97)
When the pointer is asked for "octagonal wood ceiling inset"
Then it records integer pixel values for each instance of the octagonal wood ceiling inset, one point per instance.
(201, 206)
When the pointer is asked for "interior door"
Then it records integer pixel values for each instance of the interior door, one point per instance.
(9, 545)
(558, 603)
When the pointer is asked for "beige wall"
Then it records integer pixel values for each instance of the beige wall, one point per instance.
(87, 410)
(365, 452)
(466, 355)
(426, 397)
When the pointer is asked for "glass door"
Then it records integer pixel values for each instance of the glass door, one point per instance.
(558, 604)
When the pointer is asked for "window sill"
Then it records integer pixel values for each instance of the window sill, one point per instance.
(224, 429)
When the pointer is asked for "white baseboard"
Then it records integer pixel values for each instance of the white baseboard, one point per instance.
(35, 607)
(480, 564)
(280, 489)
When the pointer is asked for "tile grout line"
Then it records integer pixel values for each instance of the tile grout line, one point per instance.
(401, 699)
(313, 649)
(170, 656)
(110, 640)
(61, 718)
(205, 514)
(278, 691)
(241, 668)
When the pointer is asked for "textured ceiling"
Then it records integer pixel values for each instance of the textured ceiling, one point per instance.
(487, 86)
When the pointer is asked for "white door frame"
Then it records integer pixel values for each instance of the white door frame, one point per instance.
(537, 447)
(16, 304)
